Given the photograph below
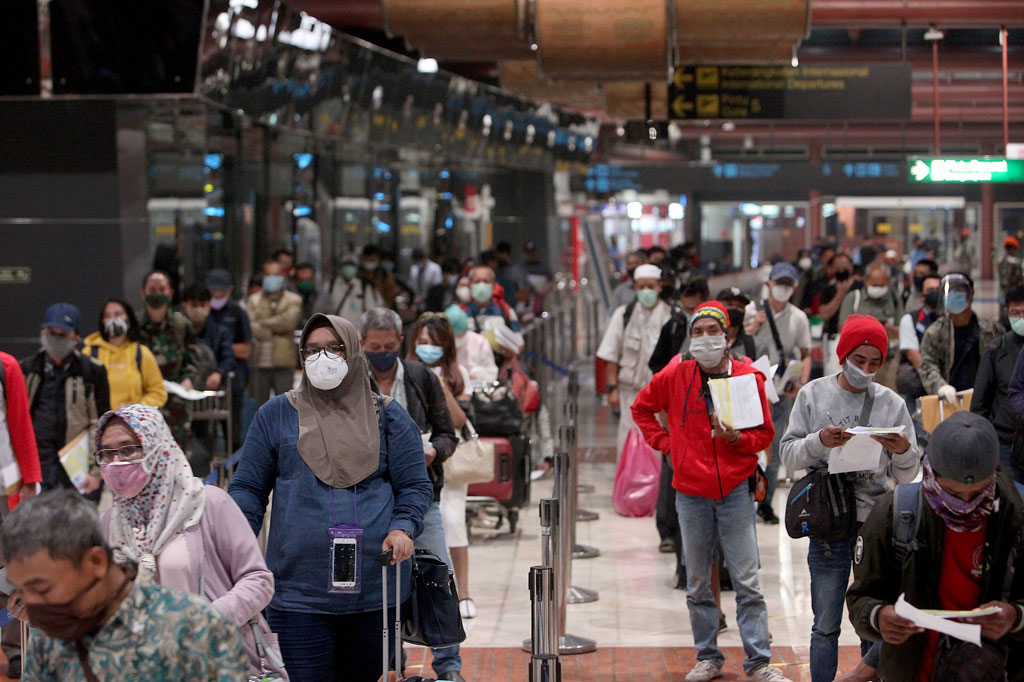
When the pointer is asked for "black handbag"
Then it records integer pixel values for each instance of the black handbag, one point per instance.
(433, 608)
(821, 506)
(497, 411)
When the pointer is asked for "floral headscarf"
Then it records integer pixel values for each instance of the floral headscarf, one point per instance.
(171, 501)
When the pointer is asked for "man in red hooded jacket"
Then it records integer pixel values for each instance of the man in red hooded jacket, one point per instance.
(712, 463)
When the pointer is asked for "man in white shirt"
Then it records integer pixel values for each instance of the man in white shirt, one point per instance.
(349, 295)
(784, 330)
(628, 342)
(424, 274)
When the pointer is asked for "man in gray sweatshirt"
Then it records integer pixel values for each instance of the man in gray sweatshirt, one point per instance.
(824, 409)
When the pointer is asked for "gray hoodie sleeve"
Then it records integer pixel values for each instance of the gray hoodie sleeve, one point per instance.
(801, 447)
(904, 467)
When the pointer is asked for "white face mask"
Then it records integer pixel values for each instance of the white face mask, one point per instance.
(326, 372)
(877, 292)
(463, 294)
(857, 377)
(781, 292)
(804, 263)
(708, 350)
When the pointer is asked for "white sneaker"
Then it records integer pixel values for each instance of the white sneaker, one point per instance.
(768, 674)
(467, 609)
(704, 671)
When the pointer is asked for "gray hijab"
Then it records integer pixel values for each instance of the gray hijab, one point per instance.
(338, 434)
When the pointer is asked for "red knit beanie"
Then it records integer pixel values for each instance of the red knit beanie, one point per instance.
(712, 309)
(859, 330)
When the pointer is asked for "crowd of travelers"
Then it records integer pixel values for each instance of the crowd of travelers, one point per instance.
(349, 394)
(860, 339)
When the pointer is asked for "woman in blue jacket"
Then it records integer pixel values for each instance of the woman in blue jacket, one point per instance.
(334, 454)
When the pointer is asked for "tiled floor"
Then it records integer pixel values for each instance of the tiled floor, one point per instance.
(639, 622)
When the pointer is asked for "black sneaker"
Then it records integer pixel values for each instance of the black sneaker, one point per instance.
(768, 516)
(681, 578)
(667, 546)
(722, 625)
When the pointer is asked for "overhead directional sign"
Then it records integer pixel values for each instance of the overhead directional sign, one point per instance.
(966, 170)
(813, 91)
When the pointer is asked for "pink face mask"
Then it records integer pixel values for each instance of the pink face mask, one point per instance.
(126, 479)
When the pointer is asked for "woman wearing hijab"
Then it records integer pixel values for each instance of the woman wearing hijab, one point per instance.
(179, 532)
(337, 457)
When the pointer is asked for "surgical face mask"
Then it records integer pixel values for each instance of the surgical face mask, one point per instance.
(155, 301)
(857, 377)
(457, 318)
(781, 292)
(842, 275)
(197, 314)
(383, 360)
(326, 372)
(57, 347)
(804, 263)
(218, 302)
(306, 286)
(918, 282)
(876, 292)
(126, 479)
(371, 265)
(453, 280)
(1017, 325)
(273, 283)
(348, 271)
(932, 300)
(387, 266)
(708, 351)
(428, 353)
(463, 294)
(115, 326)
(955, 302)
(482, 292)
(647, 297)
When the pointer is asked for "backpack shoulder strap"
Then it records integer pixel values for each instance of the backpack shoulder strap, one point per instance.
(906, 517)
(138, 357)
(628, 313)
(94, 352)
(770, 314)
(749, 348)
(856, 300)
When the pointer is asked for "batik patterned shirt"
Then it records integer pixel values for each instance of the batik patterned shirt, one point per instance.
(157, 634)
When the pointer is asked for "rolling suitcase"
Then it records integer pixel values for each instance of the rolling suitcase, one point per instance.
(502, 486)
(385, 559)
(521, 466)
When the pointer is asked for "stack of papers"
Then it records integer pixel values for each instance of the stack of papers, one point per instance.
(177, 389)
(764, 366)
(75, 458)
(737, 401)
(860, 453)
(968, 632)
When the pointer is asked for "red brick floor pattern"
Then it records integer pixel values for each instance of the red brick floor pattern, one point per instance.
(622, 664)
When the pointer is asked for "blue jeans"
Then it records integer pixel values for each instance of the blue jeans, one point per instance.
(446, 660)
(704, 523)
(830, 565)
(780, 420)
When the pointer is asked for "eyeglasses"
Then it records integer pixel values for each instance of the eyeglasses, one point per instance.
(126, 453)
(333, 350)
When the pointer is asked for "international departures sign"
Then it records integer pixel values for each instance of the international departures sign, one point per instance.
(966, 170)
(812, 91)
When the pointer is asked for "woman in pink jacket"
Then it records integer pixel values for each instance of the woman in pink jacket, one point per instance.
(180, 532)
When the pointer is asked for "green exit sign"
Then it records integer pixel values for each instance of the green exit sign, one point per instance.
(967, 170)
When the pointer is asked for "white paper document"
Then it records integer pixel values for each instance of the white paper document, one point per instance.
(737, 401)
(764, 366)
(974, 613)
(177, 389)
(968, 632)
(860, 453)
(877, 430)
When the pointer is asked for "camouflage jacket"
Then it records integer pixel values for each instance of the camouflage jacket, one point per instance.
(1008, 269)
(937, 349)
(173, 342)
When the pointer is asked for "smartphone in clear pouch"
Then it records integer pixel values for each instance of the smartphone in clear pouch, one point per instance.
(346, 566)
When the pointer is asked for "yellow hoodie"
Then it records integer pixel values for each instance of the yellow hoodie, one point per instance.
(128, 385)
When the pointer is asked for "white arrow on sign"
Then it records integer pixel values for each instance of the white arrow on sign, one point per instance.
(920, 170)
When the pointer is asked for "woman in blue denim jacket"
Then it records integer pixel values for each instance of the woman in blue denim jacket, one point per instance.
(332, 452)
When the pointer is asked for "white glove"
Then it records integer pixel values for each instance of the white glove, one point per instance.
(948, 393)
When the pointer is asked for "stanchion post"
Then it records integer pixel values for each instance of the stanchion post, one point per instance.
(561, 547)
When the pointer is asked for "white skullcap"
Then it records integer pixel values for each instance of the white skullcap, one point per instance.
(647, 272)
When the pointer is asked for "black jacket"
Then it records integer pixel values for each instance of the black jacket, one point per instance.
(878, 580)
(670, 341)
(428, 409)
(992, 383)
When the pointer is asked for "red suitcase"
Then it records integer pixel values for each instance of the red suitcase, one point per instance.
(502, 486)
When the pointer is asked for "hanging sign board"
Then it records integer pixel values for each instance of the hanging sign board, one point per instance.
(813, 91)
(966, 170)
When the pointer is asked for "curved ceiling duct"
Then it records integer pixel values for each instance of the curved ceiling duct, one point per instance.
(739, 31)
(460, 30)
(602, 39)
(522, 76)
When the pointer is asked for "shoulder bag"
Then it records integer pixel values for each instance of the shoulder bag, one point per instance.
(434, 618)
(472, 461)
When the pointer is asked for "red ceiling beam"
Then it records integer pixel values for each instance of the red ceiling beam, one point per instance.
(917, 13)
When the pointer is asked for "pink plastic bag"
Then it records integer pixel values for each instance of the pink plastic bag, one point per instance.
(637, 478)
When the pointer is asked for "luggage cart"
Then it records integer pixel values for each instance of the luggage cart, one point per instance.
(216, 409)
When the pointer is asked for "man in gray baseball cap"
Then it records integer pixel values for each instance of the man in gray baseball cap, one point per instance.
(952, 543)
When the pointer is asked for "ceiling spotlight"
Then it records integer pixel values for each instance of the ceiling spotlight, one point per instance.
(794, 62)
(427, 66)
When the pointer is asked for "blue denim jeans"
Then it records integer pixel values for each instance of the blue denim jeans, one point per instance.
(705, 522)
(830, 565)
(446, 660)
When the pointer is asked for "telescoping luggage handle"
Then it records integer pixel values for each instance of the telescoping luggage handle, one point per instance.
(385, 559)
